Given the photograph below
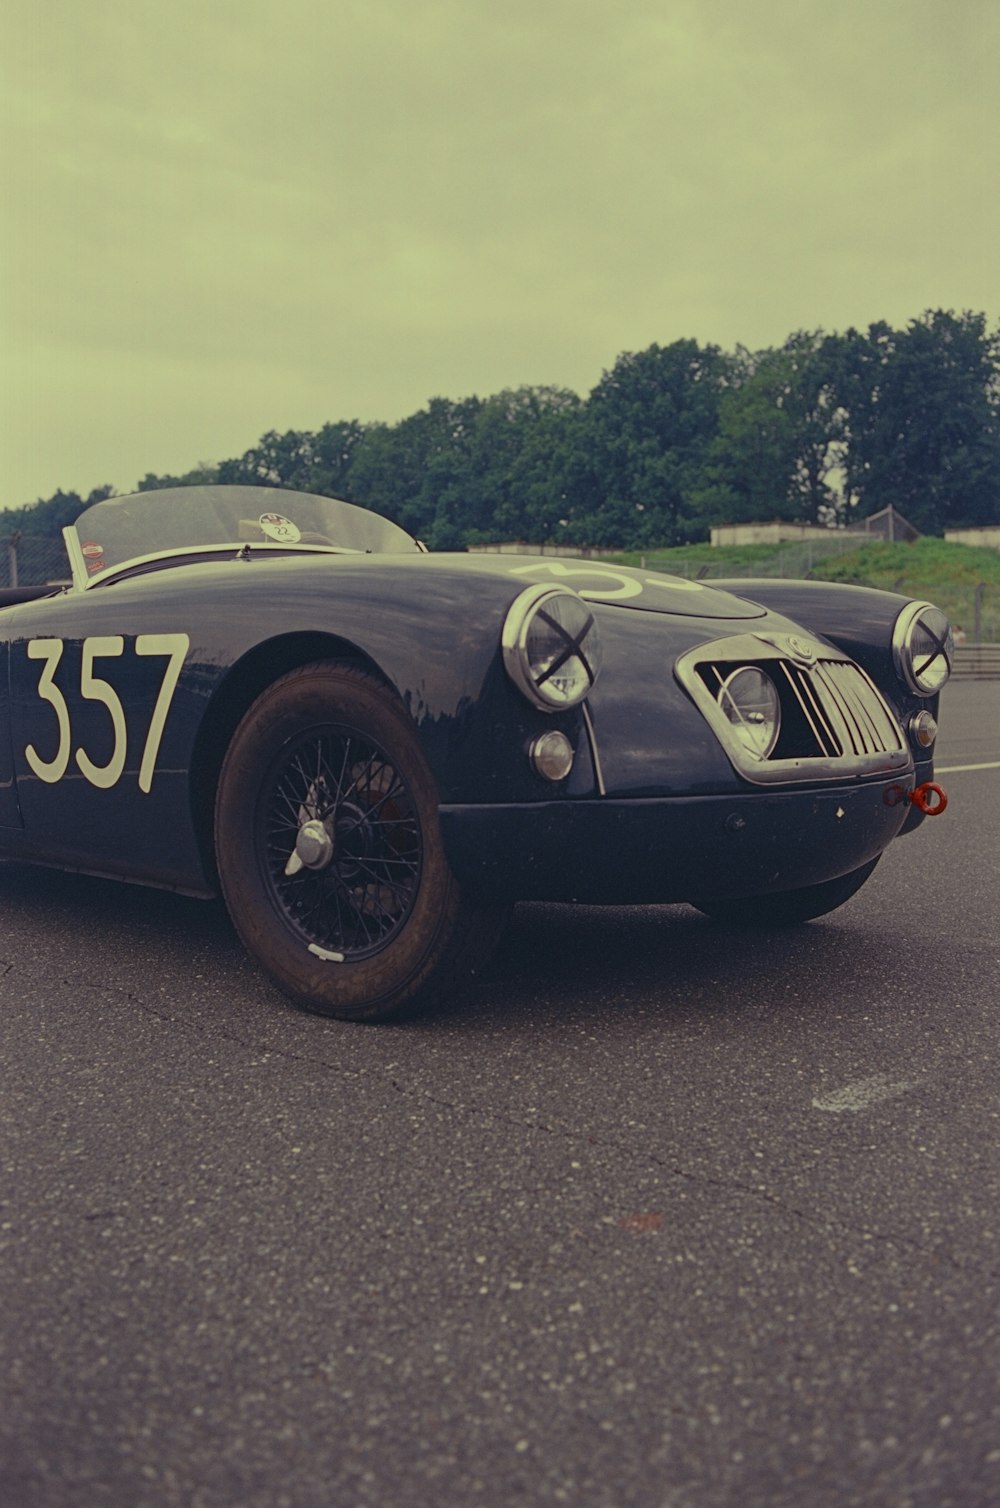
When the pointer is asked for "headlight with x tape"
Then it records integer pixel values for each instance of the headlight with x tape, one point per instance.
(551, 646)
(923, 647)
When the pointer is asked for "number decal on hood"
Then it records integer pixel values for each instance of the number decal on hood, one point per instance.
(173, 647)
(615, 583)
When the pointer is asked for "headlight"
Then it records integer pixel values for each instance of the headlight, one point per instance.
(749, 700)
(551, 646)
(923, 647)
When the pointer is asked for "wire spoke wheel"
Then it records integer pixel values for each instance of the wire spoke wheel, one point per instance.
(329, 852)
(359, 897)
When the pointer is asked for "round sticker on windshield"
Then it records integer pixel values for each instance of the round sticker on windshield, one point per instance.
(276, 526)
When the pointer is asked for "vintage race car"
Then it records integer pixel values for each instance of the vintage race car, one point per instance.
(372, 751)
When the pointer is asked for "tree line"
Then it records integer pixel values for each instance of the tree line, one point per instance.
(826, 428)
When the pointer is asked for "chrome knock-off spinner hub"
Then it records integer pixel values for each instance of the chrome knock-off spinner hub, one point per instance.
(313, 847)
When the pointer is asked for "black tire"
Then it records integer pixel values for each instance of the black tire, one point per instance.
(787, 908)
(371, 923)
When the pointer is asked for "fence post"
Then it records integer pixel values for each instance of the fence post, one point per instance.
(977, 610)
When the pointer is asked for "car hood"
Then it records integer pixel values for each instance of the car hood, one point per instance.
(434, 575)
(627, 586)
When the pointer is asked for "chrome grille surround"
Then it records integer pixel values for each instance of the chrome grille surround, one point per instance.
(836, 723)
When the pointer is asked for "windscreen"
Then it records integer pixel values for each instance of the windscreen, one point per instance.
(122, 529)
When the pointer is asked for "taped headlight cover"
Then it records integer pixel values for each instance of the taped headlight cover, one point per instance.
(923, 647)
(551, 647)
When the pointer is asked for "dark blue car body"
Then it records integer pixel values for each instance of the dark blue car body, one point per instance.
(652, 809)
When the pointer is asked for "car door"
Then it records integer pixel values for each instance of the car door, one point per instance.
(101, 733)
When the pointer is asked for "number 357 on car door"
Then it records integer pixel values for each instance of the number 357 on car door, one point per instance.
(172, 648)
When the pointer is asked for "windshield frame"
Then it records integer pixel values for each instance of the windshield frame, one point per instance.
(190, 554)
(171, 526)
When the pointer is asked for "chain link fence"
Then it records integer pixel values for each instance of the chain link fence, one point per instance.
(33, 560)
(975, 612)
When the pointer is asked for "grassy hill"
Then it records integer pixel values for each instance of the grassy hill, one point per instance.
(944, 573)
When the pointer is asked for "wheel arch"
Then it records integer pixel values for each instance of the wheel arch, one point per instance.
(242, 684)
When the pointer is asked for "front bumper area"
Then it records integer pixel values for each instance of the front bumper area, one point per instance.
(645, 851)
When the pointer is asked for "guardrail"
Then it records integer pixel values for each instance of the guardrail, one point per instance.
(977, 662)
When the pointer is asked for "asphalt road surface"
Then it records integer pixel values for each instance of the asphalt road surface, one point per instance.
(666, 1215)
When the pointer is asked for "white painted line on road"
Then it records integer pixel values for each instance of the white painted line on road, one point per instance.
(863, 1092)
(956, 769)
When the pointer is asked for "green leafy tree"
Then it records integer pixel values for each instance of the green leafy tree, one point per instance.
(512, 481)
(747, 469)
(334, 451)
(50, 515)
(672, 439)
(554, 479)
(808, 399)
(416, 472)
(651, 423)
(275, 461)
(202, 475)
(777, 446)
(921, 419)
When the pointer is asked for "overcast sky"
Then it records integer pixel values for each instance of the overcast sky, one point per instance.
(226, 216)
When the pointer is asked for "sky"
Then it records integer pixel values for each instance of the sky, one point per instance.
(220, 217)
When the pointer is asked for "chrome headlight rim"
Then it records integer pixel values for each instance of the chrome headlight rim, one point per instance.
(921, 678)
(543, 691)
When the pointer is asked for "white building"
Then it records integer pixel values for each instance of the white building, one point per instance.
(988, 536)
(768, 534)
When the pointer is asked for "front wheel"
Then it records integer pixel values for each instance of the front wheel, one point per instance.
(329, 851)
(787, 908)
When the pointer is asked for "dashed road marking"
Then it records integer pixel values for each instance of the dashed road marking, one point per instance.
(955, 769)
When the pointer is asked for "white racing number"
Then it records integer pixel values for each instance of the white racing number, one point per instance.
(96, 690)
(50, 770)
(606, 583)
(175, 648)
(172, 647)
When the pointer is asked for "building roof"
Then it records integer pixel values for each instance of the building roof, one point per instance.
(888, 523)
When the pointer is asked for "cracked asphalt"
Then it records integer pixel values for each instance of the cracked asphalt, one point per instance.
(664, 1217)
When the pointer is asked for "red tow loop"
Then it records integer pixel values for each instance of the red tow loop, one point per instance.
(929, 798)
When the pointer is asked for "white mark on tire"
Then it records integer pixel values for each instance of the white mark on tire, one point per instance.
(862, 1093)
(326, 956)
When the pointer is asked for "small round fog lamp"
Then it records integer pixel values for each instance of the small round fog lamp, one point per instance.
(923, 729)
(552, 755)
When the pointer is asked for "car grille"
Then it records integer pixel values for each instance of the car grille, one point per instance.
(835, 723)
(844, 712)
